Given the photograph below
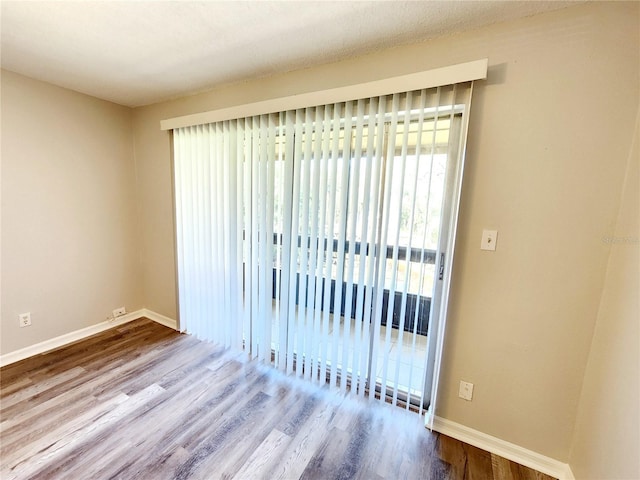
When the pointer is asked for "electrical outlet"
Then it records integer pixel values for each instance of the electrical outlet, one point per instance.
(118, 312)
(466, 390)
(25, 319)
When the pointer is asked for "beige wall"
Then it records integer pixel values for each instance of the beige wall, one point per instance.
(607, 434)
(548, 144)
(69, 221)
(87, 225)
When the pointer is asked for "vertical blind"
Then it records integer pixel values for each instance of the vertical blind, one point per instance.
(311, 238)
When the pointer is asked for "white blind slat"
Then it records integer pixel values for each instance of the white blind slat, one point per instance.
(332, 183)
(374, 264)
(247, 237)
(309, 340)
(306, 164)
(407, 279)
(382, 241)
(256, 213)
(316, 339)
(341, 241)
(296, 125)
(286, 255)
(264, 242)
(269, 262)
(237, 186)
(393, 285)
(358, 376)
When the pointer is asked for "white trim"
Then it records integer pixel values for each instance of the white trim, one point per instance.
(161, 319)
(505, 449)
(462, 72)
(71, 337)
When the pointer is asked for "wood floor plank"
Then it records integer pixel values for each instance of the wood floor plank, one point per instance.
(307, 435)
(210, 449)
(280, 405)
(163, 434)
(502, 468)
(16, 459)
(90, 384)
(43, 419)
(268, 452)
(151, 420)
(393, 455)
(478, 464)
(25, 394)
(251, 434)
(452, 451)
(86, 433)
(323, 465)
(431, 465)
(525, 473)
(13, 387)
(81, 353)
(141, 401)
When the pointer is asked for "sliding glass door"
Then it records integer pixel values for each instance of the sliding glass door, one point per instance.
(332, 264)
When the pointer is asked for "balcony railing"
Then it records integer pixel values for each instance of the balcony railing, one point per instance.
(413, 320)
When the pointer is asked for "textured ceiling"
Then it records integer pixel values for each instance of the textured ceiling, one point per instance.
(137, 53)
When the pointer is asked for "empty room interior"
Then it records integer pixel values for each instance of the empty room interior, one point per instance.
(320, 240)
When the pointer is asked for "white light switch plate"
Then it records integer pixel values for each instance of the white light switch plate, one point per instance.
(466, 390)
(489, 240)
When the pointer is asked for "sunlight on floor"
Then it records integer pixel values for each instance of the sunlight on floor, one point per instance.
(405, 354)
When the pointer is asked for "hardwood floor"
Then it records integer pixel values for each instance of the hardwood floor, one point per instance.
(141, 401)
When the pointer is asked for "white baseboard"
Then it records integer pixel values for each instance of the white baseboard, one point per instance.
(67, 338)
(161, 319)
(505, 449)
